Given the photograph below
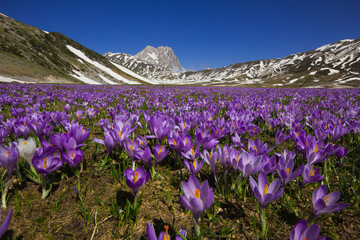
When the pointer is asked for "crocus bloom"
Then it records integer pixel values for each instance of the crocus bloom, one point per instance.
(145, 156)
(197, 198)
(194, 167)
(164, 235)
(160, 152)
(326, 203)
(281, 137)
(302, 231)
(131, 148)
(285, 170)
(27, 148)
(4, 226)
(108, 141)
(264, 192)
(45, 163)
(73, 156)
(248, 163)
(210, 158)
(311, 175)
(191, 154)
(135, 179)
(3, 133)
(9, 157)
(269, 164)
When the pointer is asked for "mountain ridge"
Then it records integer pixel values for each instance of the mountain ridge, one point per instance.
(332, 65)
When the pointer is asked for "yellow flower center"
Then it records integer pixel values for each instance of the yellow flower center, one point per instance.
(326, 199)
(72, 155)
(174, 142)
(166, 236)
(160, 149)
(266, 189)
(136, 177)
(316, 149)
(194, 163)
(25, 143)
(45, 162)
(192, 151)
(287, 171)
(312, 172)
(197, 193)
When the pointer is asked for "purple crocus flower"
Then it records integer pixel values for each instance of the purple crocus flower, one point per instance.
(326, 203)
(159, 127)
(237, 141)
(4, 226)
(3, 133)
(160, 152)
(67, 108)
(108, 141)
(197, 198)
(91, 112)
(224, 157)
(194, 167)
(80, 133)
(135, 179)
(302, 231)
(9, 157)
(141, 141)
(280, 137)
(258, 147)
(122, 130)
(164, 235)
(73, 156)
(210, 158)
(311, 175)
(205, 139)
(131, 148)
(145, 156)
(285, 170)
(248, 163)
(78, 114)
(264, 192)
(45, 163)
(191, 154)
(341, 152)
(269, 164)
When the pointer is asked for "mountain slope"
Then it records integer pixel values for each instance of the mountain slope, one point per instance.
(332, 65)
(30, 54)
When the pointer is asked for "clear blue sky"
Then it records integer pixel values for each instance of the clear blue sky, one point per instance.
(205, 33)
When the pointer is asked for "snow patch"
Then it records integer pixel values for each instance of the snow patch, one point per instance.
(131, 73)
(78, 75)
(100, 66)
(45, 31)
(6, 79)
(332, 71)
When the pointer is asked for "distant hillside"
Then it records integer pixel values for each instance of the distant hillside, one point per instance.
(29, 53)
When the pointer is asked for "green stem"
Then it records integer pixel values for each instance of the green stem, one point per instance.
(263, 222)
(45, 192)
(197, 228)
(4, 193)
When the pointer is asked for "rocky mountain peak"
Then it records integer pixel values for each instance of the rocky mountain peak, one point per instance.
(163, 57)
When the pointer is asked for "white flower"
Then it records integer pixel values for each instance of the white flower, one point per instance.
(27, 148)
